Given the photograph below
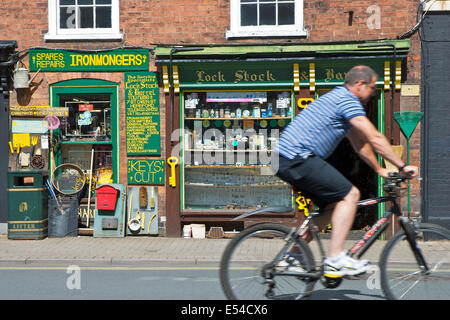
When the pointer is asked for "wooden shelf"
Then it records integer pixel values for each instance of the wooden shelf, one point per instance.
(229, 166)
(236, 186)
(223, 150)
(249, 118)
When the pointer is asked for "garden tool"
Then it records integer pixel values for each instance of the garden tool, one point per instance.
(129, 210)
(143, 198)
(152, 199)
(150, 223)
(143, 221)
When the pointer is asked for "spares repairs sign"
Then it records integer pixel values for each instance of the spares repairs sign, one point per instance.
(114, 60)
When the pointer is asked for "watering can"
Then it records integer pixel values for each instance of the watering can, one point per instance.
(21, 78)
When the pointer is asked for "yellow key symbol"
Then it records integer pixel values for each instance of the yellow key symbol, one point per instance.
(172, 161)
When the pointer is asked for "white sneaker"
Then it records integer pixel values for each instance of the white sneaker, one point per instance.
(292, 262)
(344, 265)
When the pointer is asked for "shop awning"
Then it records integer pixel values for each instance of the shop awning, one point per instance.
(257, 52)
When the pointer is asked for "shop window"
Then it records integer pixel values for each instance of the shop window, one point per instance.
(89, 118)
(87, 128)
(228, 139)
(266, 18)
(83, 19)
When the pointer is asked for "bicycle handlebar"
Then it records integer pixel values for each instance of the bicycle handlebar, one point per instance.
(392, 184)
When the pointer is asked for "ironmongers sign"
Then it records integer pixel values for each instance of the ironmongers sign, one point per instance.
(114, 60)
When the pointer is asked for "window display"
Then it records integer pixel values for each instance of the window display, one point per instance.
(228, 142)
(88, 120)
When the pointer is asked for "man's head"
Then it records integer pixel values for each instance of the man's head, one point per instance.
(361, 81)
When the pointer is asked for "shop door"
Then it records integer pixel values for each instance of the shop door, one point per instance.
(346, 160)
(87, 128)
(92, 125)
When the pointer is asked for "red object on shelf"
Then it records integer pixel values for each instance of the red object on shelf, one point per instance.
(85, 107)
(107, 197)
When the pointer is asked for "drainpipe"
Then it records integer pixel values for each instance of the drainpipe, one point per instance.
(172, 97)
(394, 48)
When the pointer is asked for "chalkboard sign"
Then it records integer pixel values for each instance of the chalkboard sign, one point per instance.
(142, 113)
(145, 171)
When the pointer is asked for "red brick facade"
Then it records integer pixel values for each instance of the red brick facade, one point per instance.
(146, 23)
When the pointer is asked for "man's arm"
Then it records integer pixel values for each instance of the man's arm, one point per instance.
(364, 137)
(365, 152)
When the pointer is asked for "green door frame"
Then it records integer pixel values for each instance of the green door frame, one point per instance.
(93, 86)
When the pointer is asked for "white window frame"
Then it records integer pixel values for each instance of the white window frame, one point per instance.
(56, 33)
(238, 31)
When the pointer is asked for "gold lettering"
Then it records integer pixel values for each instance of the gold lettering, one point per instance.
(270, 76)
(304, 76)
(138, 59)
(200, 76)
(23, 206)
(239, 76)
(132, 166)
(329, 75)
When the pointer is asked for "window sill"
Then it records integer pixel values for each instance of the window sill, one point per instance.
(90, 36)
(282, 33)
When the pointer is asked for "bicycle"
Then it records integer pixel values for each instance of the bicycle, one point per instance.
(248, 274)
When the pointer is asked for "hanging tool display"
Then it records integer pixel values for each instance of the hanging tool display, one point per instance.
(142, 211)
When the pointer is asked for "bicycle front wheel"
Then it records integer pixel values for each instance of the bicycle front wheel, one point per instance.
(250, 269)
(402, 277)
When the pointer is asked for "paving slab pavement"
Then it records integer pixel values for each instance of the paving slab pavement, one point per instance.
(133, 250)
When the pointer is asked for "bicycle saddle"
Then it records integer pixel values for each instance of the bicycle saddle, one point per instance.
(265, 209)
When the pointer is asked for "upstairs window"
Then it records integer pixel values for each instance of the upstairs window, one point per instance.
(83, 19)
(266, 18)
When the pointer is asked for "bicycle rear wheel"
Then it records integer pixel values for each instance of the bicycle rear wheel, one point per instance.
(401, 276)
(249, 270)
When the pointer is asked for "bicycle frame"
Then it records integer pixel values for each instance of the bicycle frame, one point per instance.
(369, 237)
(361, 246)
(358, 249)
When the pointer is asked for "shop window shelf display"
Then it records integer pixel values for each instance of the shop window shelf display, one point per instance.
(228, 140)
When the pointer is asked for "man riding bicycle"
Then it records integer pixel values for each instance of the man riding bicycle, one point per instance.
(313, 136)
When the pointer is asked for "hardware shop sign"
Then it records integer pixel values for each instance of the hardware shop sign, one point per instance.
(65, 60)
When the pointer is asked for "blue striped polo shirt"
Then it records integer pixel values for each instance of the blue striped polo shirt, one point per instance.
(320, 127)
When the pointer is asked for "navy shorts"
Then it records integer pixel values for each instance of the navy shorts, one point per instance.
(315, 178)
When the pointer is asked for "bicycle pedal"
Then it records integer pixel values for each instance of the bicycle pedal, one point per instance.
(331, 281)
(332, 276)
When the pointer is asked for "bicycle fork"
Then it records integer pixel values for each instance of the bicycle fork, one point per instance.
(410, 232)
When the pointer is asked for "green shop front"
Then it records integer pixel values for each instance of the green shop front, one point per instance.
(226, 107)
(85, 121)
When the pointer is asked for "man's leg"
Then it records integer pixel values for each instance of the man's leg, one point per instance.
(342, 220)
